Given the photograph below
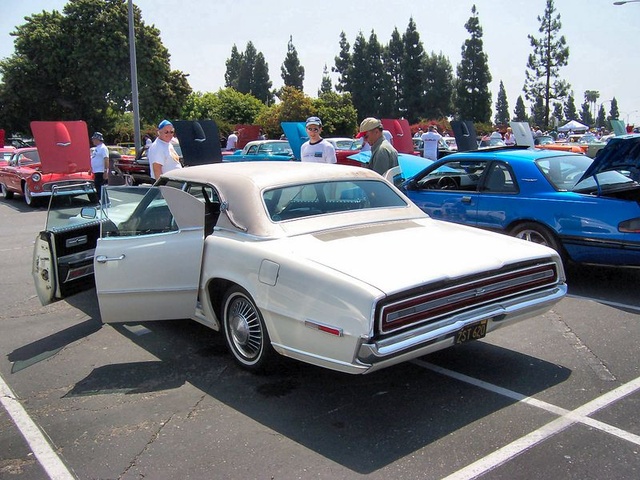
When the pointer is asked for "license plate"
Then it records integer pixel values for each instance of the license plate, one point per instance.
(475, 331)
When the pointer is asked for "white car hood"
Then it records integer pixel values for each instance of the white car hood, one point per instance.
(394, 256)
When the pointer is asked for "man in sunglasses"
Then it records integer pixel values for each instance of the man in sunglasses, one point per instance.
(383, 156)
(162, 156)
(316, 149)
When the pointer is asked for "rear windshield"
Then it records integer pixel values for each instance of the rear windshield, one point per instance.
(306, 200)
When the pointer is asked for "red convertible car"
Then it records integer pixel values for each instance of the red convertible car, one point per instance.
(23, 175)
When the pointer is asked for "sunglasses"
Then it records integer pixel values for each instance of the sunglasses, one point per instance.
(168, 131)
(313, 129)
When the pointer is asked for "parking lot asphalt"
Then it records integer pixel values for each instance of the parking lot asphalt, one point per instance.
(556, 396)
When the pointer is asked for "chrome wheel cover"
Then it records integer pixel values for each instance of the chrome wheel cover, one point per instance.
(244, 329)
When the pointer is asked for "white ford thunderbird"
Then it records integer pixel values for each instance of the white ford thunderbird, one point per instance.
(327, 264)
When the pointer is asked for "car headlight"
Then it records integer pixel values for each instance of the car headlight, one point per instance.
(36, 177)
(630, 226)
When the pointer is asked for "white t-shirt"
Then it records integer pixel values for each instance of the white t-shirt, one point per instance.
(98, 154)
(321, 152)
(232, 141)
(431, 140)
(163, 153)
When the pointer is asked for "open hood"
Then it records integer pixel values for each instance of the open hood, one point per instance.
(618, 127)
(401, 133)
(620, 153)
(199, 141)
(465, 133)
(63, 146)
(247, 133)
(523, 133)
(296, 134)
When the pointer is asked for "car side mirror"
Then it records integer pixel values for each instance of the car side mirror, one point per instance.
(88, 212)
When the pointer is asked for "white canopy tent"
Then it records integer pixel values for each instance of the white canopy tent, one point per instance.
(574, 126)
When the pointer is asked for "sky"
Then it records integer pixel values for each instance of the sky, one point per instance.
(603, 38)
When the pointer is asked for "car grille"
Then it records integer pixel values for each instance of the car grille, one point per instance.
(430, 304)
(64, 183)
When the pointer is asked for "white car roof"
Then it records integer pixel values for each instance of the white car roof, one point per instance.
(241, 185)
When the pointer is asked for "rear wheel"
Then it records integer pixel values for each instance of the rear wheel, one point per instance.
(245, 331)
(536, 233)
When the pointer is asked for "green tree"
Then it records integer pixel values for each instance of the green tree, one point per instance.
(520, 112)
(502, 107)
(339, 116)
(343, 65)
(261, 84)
(412, 67)
(226, 106)
(75, 64)
(292, 71)
(380, 92)
(294, 106)
(248, 72)
(472, 87)
(550, 53)
(325, 86)
(570, 111)
(585, 115)
(601, 120)
(438, 87)
(538, 113)
(614, 113)
(233, 64)
(393, 54)
(558, 114)
(360, 78)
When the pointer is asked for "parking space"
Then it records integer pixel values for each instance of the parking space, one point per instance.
(553, 397)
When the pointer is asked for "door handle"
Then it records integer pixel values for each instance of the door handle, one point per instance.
(466, 199)
(104, 259)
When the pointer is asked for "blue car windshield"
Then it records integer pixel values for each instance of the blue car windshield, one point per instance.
(311, 199)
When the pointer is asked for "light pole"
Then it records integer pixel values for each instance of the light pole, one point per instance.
(134, 80)
(630, 113)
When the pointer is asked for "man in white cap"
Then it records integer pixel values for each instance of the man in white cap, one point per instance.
(316, 149)
(162, 156)
(383, 156)
(430, 140)
(99, 162)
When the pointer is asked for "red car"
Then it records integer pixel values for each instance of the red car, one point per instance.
(23, 175)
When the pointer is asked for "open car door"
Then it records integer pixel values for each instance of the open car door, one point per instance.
(147, 261)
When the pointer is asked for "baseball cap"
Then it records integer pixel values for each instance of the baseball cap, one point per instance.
(163, 124)
(314, 121)
(369, 124)
(97, 135)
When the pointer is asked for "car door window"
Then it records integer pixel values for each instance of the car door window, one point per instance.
(252, 150)
(499, 179)
(455, 175)
(131, 214)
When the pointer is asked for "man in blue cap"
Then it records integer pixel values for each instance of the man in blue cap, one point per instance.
(162, 156)
(99, 162)
(316, 149)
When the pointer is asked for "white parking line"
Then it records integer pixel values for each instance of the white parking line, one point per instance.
(567, 418)
(33, 435)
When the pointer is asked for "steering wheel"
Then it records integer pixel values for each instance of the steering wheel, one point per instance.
(447, 183)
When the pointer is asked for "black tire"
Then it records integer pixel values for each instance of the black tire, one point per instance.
(536, 233)
(245, 332)
(6, 194)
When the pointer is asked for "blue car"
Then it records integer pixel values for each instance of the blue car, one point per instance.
(588, 210)
(262, 150)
